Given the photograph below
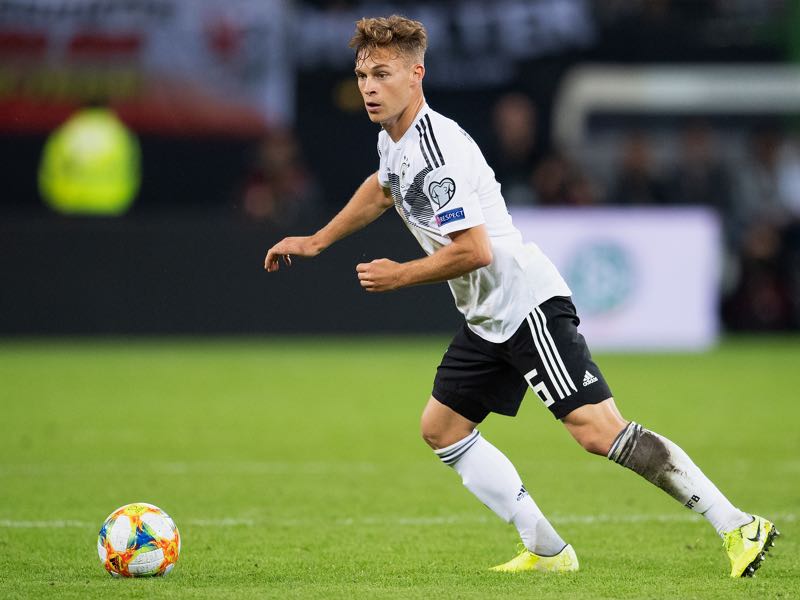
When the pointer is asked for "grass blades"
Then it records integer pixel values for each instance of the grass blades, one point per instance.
(294, 469)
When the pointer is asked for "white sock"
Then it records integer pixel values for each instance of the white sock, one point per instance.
(487, 473)
(666, 465)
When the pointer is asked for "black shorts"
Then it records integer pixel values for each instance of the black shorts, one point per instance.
(546, 353)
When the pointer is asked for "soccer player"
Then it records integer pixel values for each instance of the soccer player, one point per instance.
(521, 327)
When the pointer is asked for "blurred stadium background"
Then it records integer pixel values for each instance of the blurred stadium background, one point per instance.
(607, 121)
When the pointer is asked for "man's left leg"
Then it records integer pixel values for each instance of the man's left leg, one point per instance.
(600, 429)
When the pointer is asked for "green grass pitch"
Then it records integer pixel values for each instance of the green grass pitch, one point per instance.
(294, 469)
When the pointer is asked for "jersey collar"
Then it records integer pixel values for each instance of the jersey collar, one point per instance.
(423, 110)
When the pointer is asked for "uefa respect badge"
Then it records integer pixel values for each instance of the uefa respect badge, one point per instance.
(449, 216)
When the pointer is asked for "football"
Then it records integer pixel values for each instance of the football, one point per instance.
(138, 540)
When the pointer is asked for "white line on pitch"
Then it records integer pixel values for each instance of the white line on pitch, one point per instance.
(397, 520)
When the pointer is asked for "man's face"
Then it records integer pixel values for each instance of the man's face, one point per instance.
(387, 81)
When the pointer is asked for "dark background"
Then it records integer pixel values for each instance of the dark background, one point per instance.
(188, 257)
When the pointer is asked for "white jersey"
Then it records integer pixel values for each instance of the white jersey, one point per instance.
(440, 184)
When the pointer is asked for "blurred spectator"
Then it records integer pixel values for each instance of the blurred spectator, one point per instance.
(635, 181)
(549, 180)
(558, 181)
(767, 185)
(789, 189)
(761, 299)
(789, 177)
(91, 165)
(791, 266)
(699, 177)
(513, 153)
(764, 219)
(279, 188)
(582, 190)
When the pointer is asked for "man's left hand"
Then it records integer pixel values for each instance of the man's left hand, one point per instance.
(380, 275)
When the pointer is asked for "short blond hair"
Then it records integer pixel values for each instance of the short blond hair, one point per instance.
(406, 36)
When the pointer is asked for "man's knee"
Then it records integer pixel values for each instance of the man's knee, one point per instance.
(438, 436)
(595, 426)
(440, 426)
(594, 441)
(432, 437)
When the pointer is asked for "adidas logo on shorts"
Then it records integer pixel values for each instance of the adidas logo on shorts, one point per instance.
(588, 379)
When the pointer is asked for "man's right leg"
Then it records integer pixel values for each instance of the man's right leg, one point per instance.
(489, 475)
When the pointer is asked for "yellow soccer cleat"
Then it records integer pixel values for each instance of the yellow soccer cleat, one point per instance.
(564, 561)
(747, 546)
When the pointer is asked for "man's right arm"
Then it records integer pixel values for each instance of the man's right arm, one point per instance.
(368, 203)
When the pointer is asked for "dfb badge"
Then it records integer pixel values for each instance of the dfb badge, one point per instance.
(404, 166)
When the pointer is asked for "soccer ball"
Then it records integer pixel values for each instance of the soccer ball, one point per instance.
(138, 540)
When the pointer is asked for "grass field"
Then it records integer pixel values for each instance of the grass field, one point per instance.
(294, 469)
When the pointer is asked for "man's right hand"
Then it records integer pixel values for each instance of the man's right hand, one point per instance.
(288, 247)
(368, 203)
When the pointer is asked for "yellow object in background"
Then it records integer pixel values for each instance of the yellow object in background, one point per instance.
(90, 165)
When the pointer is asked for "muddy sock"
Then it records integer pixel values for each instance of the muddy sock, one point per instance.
(666, 466)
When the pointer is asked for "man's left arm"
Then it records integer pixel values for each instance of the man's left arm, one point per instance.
(470, 250)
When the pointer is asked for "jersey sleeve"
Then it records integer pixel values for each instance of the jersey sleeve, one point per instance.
(450, 187)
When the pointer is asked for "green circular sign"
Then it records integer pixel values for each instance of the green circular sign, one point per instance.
(601, 275)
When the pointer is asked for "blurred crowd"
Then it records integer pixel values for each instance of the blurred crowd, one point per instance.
(755, 192)
(278, 186)
(748, 173)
